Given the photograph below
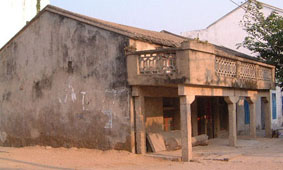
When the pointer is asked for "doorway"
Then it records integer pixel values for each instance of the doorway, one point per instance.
(212, 116)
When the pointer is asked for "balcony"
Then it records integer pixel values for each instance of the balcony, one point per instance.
(158, 63)
(198, 63)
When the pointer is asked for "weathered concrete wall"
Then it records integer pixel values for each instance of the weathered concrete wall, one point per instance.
(64, 83)
(202, 57)
(139, 45)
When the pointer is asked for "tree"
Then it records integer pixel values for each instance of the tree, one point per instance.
(265, 36)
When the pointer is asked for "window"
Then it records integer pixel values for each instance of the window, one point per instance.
(70, 67)
(274, 106)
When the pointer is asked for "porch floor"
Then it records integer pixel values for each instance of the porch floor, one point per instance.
(218, 149)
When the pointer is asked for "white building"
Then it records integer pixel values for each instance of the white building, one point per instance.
(15, 14)
(228, 31)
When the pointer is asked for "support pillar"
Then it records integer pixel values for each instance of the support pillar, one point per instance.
(232, 102)
(186, 127)
(194, 119)
(252, 104)
(216, 117)
(267, 112)
(140, 121)
(132, 120)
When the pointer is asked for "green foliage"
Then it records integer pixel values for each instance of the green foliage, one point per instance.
(265, 36)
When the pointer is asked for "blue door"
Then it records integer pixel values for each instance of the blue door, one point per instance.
(247, 112)
(274, 114)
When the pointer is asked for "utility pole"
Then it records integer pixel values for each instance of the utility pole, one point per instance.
(37, 6)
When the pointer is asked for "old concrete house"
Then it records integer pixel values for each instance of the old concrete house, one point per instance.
(71, 80)
(228, 31)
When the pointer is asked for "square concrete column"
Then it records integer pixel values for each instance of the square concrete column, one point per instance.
(232, 102)
(267, 112)
(252, 105)
(186, 127)
(194, 118)
(140, 125)
(132, 121)
(216, 117)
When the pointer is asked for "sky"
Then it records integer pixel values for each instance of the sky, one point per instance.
(172, 15)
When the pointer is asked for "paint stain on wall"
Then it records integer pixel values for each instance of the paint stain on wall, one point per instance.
(108, 113)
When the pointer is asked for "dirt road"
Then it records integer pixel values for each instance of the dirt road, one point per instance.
(248, 155)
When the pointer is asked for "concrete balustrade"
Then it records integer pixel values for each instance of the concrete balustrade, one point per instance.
(198, 63)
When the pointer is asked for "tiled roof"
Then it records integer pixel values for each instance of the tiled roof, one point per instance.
(162, 38)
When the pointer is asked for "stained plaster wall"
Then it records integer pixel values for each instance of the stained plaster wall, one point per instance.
(140, 46)
(46, 102)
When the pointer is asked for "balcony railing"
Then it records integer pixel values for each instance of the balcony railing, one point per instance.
(193, 66)
(157, 63)
(225, 67)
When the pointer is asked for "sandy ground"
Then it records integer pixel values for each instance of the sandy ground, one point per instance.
(261, 153)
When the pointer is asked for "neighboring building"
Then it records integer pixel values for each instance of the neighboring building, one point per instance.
(228, 32)
(14, 15)
(71, 80)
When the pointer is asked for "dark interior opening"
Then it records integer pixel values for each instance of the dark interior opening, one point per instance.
(70, 67)
(208, 122)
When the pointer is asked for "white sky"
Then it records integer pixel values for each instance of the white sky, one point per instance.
(172, 15)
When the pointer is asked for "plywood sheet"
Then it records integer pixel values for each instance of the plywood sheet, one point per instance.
(156, 142)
